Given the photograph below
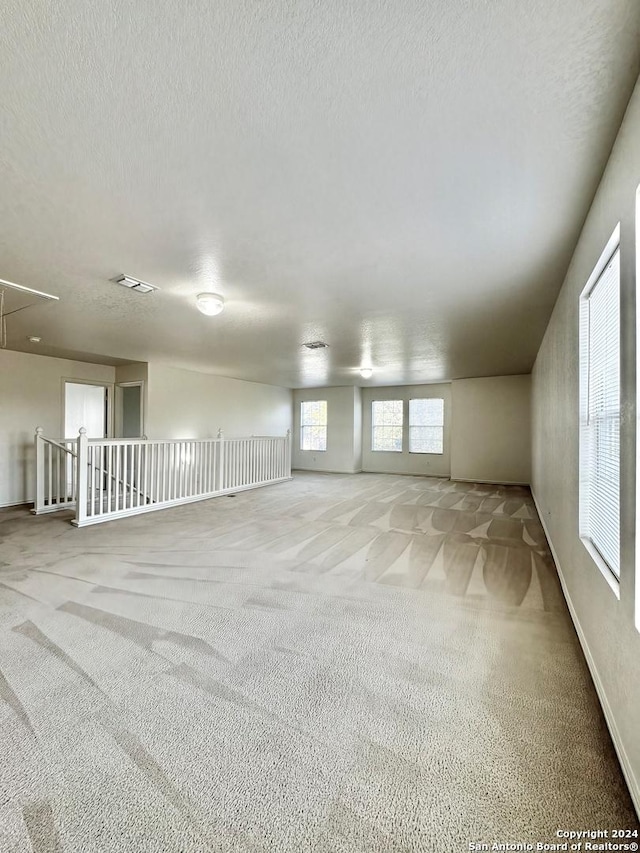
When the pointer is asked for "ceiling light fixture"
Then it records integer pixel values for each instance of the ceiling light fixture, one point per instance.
(210, 303)
(366, 372)
(135, 284)
(34, 339)
(316, 345)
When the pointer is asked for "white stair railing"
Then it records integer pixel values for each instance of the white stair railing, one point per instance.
(56, 473)
(121, 477)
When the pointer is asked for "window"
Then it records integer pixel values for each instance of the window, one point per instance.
(386, 425)
(426, 425)
(313, 425)
(600, 411)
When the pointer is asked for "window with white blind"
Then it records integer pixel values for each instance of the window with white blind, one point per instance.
(426, 425)
(600, 411)
(313, 425)
(387, 417)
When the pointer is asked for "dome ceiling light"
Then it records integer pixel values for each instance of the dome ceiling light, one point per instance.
(366, 372)
(210, 303)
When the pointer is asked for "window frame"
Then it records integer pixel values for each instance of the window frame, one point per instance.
(375, 426)
(430, 426)
(304, 426)
(586, 432)
(637, 406)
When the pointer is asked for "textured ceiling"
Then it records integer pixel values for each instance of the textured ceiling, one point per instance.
(405, 181)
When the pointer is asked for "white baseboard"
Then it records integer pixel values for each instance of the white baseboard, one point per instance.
(489, 482)
(326, 470)
(627, 769)
(428, 474)
(16, 503)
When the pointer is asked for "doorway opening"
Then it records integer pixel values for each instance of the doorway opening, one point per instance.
(86, 405)
(129, 410)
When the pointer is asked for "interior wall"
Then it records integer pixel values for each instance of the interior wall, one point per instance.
(491, 429)
(31, 395)
(187, 404)
(605, 624)
(434, 465)
(343, 453)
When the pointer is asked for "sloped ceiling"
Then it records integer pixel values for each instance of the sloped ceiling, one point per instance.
(405, 181)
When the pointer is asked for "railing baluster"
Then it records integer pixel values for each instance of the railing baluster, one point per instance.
(49, 485)
(128, 480)
(70, 470)
(138, 477)
(116, 481)
(151, 485)
(162, 461)
(176, 472)
(172, 470)
(91, 482)
(100, 477)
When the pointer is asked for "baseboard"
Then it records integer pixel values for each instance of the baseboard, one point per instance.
(627, 770)
(406, 473)
(327, 470)
(16, 503)
(489, 482)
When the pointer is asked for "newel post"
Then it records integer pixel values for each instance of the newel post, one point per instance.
(288, 471)
(82, 476)
(220, 485)
(39, 502)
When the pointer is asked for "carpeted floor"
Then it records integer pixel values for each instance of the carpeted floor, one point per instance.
(338, 663)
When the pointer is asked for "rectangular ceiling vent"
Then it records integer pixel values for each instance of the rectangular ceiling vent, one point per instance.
(316, 345)
(134, 284)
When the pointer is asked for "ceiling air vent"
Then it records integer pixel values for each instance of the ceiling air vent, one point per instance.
(134, 284)
(316, 345)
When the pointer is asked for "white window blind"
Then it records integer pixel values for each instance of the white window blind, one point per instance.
(426, 425)
(600, 414)
(313, 425)
(386, 425)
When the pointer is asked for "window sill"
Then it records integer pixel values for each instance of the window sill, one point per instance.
(606, 572)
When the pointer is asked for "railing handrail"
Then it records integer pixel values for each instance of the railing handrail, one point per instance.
(57, 442)
(131, 441)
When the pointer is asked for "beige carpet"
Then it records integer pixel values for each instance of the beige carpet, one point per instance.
(339, 663)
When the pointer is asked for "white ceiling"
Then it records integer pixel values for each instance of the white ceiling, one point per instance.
(404, 180)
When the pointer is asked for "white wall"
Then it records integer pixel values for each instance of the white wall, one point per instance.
(491, 429)
(343, 453)
(605, 624)
(186, 404)
(31, 395)
(406, 463)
